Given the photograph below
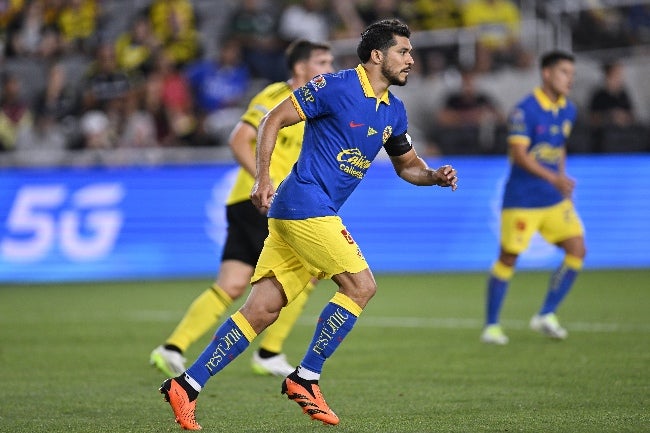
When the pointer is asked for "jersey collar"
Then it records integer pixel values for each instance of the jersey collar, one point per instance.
(546, 103)
(367, 88)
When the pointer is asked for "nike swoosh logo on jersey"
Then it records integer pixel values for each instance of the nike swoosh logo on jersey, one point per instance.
(355, 125)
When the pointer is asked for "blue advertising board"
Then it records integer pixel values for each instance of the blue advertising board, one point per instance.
(85, 224)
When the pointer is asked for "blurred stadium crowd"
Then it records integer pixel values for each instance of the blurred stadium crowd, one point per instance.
(96, 77)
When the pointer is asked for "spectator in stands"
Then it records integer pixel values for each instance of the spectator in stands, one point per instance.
(29, 35)
(169, 99)
(15, 114)
(104, 90)
(610, 106)
(598, 27)
(436, 15)
(135, 47)
(52, 10)
(10, 9)
(637, 24)
(468, 119)
(58, 102)
(96, 131)
(104, 81)
(498, 39)
(138, 127)
(8, 12)
(154, 106)
(610, 103)
(79, 22)
(371, 11)
(255, 24)
(306, 19)
(218, 88)
(347, 23)
(174, 24)
(44, 142)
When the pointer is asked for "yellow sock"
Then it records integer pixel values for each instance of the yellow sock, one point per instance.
(502, 272)
(277, 333)
(200, 317)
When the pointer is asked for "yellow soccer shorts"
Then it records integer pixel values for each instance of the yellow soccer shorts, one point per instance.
(297, 250)
(555, 224)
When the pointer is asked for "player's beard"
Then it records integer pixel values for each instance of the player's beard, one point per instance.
(393, 77)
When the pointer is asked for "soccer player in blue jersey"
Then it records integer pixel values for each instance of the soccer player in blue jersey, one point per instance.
(349, 116)
(537, 197)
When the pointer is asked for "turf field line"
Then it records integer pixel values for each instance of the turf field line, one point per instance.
(422, 322)
(464, 323)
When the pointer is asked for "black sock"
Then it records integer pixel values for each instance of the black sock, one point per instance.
(264, 354)
(192, 394)
(174, 348)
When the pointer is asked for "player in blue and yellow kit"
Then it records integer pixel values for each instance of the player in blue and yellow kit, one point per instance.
(537, 197)
(349, 116)
(247, 227)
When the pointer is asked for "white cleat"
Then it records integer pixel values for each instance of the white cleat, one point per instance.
(274, 366)
(493, 334)
(549, 325)
(170, 362)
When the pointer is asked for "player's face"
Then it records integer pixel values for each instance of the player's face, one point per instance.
(559, 78)
(397, 62)
(320, 62)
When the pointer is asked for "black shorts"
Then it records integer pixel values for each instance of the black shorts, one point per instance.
(247, 230)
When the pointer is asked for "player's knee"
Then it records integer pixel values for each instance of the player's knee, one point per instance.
(260, 316)
(579, 252)
(234, 289)
(365, 292)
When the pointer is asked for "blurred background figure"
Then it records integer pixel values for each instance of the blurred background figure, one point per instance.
(135, 47)
(468, 120)
(15, 114)
(637, 24)
(138, 128)
(611, 113)
(436, 15)
(96, 131)
(59, 102)
(29, 35)
(219, 87)
(103, 93)
(45, 142)
(174, 24)
(610, 103)
(498, 24)
(306, 19)
(169, 99)
(254, 23)
(79, 23)
(599, 27)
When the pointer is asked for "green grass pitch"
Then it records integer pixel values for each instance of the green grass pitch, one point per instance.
(74, 359)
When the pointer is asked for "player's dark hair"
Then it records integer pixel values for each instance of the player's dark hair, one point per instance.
(380, 36)
(553, 57)
(608, 67)
(300, 50)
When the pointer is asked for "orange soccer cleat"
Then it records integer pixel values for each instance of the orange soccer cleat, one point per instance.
(183, 408)
(308, 396)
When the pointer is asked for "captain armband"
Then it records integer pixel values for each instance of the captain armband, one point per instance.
(398, 145)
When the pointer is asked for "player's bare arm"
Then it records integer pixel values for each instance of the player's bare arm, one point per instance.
(560, 180)
(240, 141)
(413, 169)
(284, 114)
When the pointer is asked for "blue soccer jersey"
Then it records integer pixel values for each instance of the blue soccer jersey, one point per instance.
(543, 127)
(346, 126)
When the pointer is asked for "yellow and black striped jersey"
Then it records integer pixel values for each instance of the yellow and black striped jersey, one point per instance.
(287, 148)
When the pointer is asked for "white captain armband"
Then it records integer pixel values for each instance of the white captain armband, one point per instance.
(398, 145)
